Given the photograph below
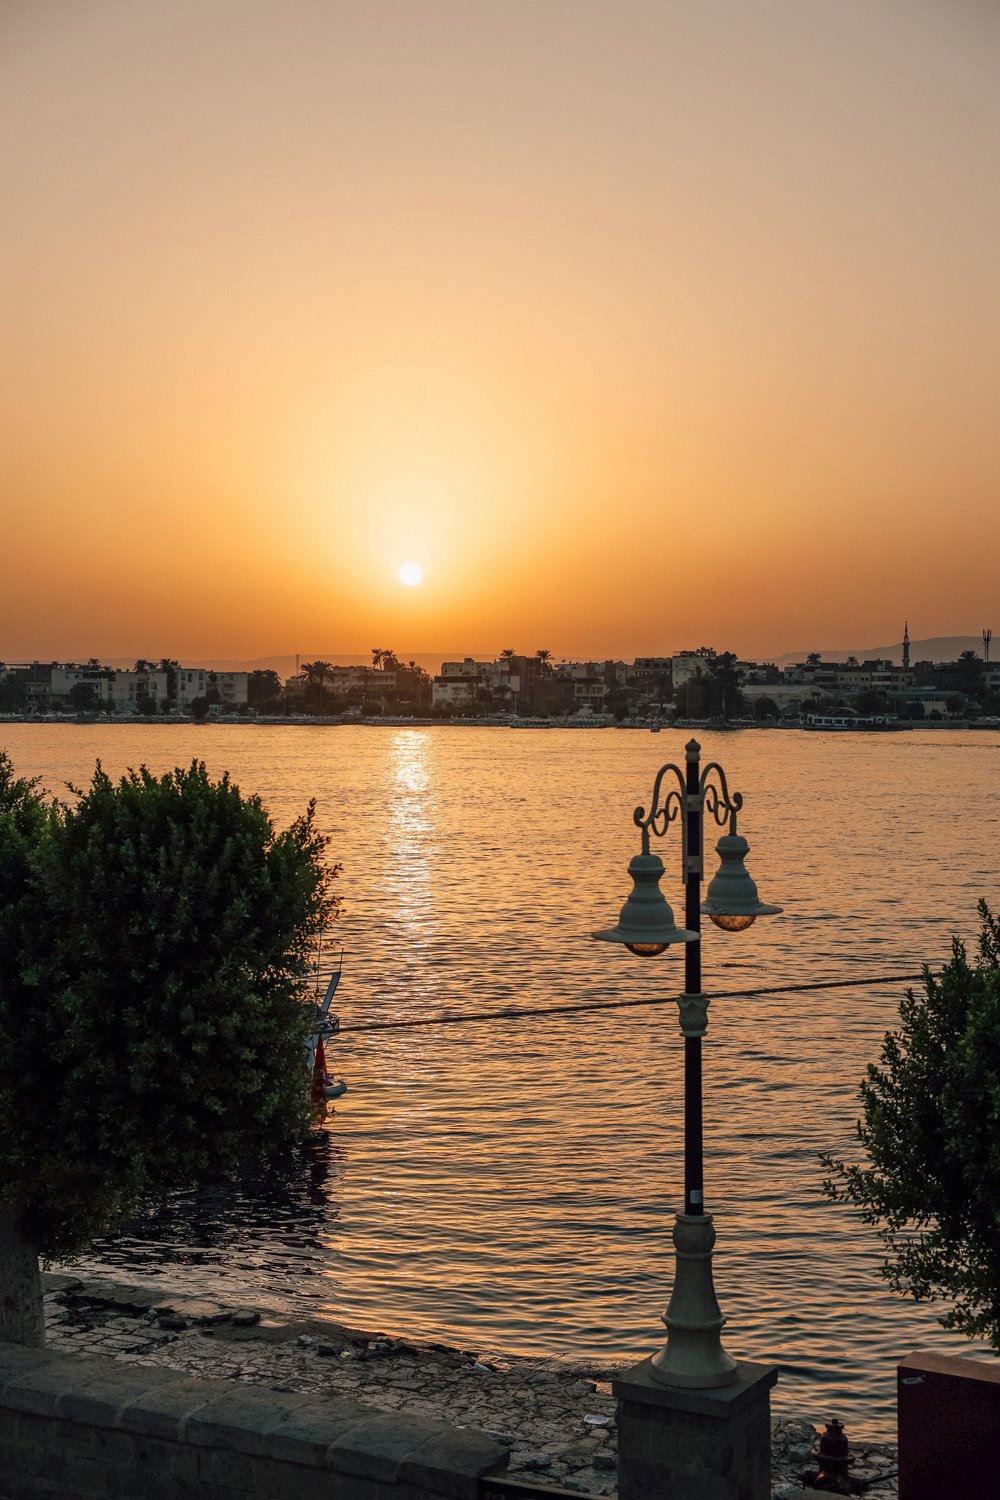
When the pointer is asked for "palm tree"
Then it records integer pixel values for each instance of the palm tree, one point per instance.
(316, 673)
(378, 657)
(969, 667)
(424, 685)
(507, 655)
(813, 659)
(544, 657)
(852, 661)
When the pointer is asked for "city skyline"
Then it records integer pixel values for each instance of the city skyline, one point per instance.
(933, 648)
(631, 329)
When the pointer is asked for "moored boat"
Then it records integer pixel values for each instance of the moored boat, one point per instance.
(325, 1086)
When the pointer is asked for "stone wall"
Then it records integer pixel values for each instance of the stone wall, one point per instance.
(75, 1428)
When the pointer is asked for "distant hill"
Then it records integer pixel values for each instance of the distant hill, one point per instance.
(935, 648)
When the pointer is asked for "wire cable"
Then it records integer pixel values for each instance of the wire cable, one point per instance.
(519, 1012)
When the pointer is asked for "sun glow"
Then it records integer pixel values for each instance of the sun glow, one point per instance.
(411, 573)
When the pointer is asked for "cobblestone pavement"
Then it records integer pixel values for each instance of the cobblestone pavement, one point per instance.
(558, 1421)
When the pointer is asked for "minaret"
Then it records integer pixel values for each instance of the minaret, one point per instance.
(906, 646)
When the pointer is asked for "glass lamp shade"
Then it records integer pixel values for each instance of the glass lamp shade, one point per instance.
(731, 899)
(733, 924)
(646, 924)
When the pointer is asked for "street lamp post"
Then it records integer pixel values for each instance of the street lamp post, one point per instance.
(693, 1356)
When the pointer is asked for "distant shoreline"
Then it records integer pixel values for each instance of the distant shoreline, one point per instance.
(391, 721)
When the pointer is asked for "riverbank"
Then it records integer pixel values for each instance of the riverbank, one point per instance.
(556, 1418)
(487, 721)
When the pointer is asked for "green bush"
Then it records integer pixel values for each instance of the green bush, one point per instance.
(930, 1128)
(155, 939)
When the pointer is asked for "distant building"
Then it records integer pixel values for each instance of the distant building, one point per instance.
(132, 690)
(523, 678)
(227, 689)
(458, 683)
(63, 679)
(688, 665)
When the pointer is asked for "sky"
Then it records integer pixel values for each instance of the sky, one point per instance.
(636, 326)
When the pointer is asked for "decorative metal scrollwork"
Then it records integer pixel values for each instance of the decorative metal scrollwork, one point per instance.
(722, 804)
(661, 814)
(668, 804)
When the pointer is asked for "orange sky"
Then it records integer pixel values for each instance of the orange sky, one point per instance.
(638, 326)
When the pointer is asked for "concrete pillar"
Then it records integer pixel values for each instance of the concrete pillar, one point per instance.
(681, 1444)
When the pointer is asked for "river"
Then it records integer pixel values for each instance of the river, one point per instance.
(509, 1186)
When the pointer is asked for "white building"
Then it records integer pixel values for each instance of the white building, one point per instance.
(192, 683)
(65, 678)
(459, 682)
(688, 665)
(205, 682)
(467, 667)
(231, 687)
(129, 689)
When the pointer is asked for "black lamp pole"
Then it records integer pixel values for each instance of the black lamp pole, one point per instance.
(694, 1196)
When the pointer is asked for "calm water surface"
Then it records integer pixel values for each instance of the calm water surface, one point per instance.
(510, 1186)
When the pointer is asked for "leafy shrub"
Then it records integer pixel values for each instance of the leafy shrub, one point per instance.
(930, 1128)
(154, 945)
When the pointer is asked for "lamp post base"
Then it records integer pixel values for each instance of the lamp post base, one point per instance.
(694, 1445)
(694, 1357)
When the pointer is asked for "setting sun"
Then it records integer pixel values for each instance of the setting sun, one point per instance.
(411, 573)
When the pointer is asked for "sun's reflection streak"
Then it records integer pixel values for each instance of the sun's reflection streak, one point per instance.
(409, 834)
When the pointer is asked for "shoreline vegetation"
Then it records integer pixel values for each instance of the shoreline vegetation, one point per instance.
(555, 1416)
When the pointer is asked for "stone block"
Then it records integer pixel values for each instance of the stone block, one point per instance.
(91, 1396)
(56, 1281)
(16, 1360)
(228, 1470)
(48, 1462)
(682, 1444)
(453, 1461)
(168, 1487)
(305, 1432)
(118, 1448)
(29, 1431)
(130, 1483)
(36, 1389)
(199, 1310)
(162, 1411)
(88, 1476)
(376, 1447)
(416, 1492)
(234, 1419)
(173, 1461)
(280, 1481)
(24, 1487)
